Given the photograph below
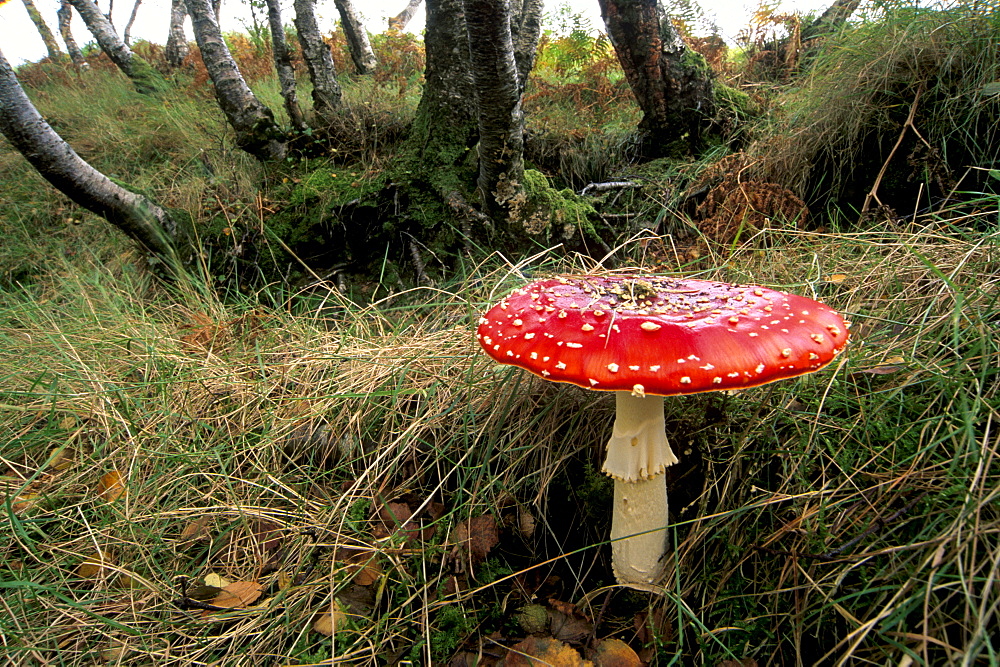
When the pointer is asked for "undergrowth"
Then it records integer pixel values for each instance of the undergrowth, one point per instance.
(166, 438)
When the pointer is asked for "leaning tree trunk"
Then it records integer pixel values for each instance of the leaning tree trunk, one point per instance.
(55, 53)
(137, 216)
(501, 121)
(283, 64)
(177, 48)
(671, 83)
(144, 77)
(357, 38)
(319, 61)
(832, 19)
(127, 35)
(256, 131)
(65, 15)
(400, 20)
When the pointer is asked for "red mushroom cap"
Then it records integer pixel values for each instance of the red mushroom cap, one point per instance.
(656, 335)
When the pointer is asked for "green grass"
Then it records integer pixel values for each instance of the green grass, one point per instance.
(831, 514)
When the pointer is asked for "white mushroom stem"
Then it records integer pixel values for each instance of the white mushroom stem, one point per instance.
(637, 455)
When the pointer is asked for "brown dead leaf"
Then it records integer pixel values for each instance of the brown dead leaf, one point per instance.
(525, 522)
(24, 502)
(111, 486)
(570, 628)
(395, 517)
(195, 531)
(62, 458)
(361, 563)
(745, 662)
(236, 595)
(95, 566)
(537, 651)
(473, 539)
(836, 278)
(331, 620)
(890, 365)
(267, 535)
(613, 652)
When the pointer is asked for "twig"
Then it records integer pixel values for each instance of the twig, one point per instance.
(594, 188)
(873, 193)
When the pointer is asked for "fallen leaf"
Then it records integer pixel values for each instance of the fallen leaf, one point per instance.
(360, 563)
(330, 621)
(267, 535)
(116, 652)
(567, 623)
(745, 662)
(890, 365)
(836, 278)
(525, 522)
(237, 594)
(62, 458)
(395, 517)
(95, 566)
(111, 487)
(195, 531)
(217, 580)
(613, 652)
(537, 651)
(24, 502)
(475, 537)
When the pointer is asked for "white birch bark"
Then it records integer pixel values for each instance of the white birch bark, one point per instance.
(357, 38)
(256, 131)
(51, 45)
(326, 91)
(177, 48)
(127, 35)
(65, 16)
(400, 20)
(283, 65)
(26, 130)
(145, 79)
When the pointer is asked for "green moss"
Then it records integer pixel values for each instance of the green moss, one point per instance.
(555, 215)
(338, 186)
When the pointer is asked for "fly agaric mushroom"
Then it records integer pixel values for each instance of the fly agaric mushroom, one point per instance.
(644, 338)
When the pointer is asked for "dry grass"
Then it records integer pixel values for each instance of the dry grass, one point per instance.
(847, 514)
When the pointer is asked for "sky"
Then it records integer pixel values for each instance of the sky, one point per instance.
(20, 41)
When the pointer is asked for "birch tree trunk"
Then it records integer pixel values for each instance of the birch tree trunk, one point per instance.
(144, 77)
(177, 48)
(126, 36)
(256, 131)
(51, 45)
(283, 64)
(525, 30)
(672, 84)
(357, 38)
(434, 165)
(400, 20)
(500, 119)
(65, 16)
(319, 61)
(140, 218)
